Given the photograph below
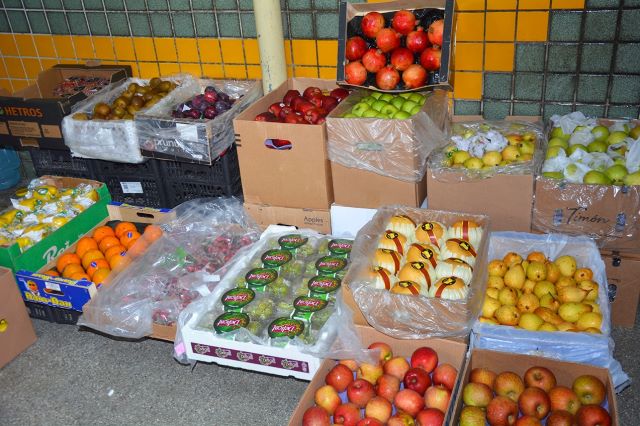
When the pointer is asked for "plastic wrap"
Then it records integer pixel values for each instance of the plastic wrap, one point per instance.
(180, 267)
(595, 349)
(415, 317)
(114, 140)
(394, 148)
(479, 137)
(199, 140)
(310, 276)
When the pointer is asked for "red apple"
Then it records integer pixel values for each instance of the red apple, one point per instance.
(347, 414)
(417, 40)
(409, 401)
(369, 372)
(371, 24)
(484, 376)
(401, 58)
(297, 101)
(425, 358)
(350, 363)
(563, 398)
(437, 397)
(326, 397)
(312, 115)
(339, 377)
(288, 97)
(378, 408)
(534, 402)
(285, 110)
(275, 108)
(385, 350)
(369, 421)
(403, 21)
(388, 386)
(355, 48)
(561, 418)
(360, 392)
(397, 367)
(414, 76)
(316, 99)
(374, 60)
(540, 377)
(430, 417)
(311, 91)
(355, 73)
(477, 395)
(339, 93)
(387, 39)
(329, 103)
(266, 116)
(430, 58)
(315, 416)
(590, 389)
(446, 375)
(417, 379)
(593, 415)
(472, 416)
(387, 78)
(502, 411)
(435, 32)
(509, 384)
(528, 421)
(402, 419)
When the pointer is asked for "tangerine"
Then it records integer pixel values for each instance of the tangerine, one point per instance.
(100, 275)
(128, 236)
(70, 269)
(53, 273)
(85, 244)
(66, 259)
(80, 276)
(95, 265)
(113, 251)
(152, 233)
(108, 242)
(90, 256)
(124, 227)
(137, 247)
(119, 262)
(102, 231)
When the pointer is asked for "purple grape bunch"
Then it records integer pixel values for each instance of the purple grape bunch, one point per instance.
(208, 105)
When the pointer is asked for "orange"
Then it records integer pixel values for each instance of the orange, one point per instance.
(100, 275)
(108, 242)
(137, 247)
(128, 236)
(101, 232)
(152, 233)
(52, 272)
(119, 262)
(66, 259)
(80, 276)
(124, 227)
(113, 251)
(90, 256)
(70, 269)
(85, 244)
(95, 265)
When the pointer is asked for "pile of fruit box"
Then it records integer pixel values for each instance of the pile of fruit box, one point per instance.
(282, 151)
(488, 168)
(62, 291)
(589, 185)
(16, 330)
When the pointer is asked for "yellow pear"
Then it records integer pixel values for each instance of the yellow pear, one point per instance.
(525, 265)
(497, 268)
(544, 287)
(512, 258)
(507, 315)
(589, 320)
(536, 271)
(567, 265)
(514, 277)
(489, 307)
(488, 321)
(550, 302)
(565, 282)
(528, 286)
(571, 294)
(566, 326)
(548, 315)
(492, 292)
(508, 296)
(495, 282)
(536, 256)
(583, 274)
(593, 330)
(553, 272)
(571, 311)
(528, 303)
(530, 321)
(548, 327)
(594, 305)
(592, 288)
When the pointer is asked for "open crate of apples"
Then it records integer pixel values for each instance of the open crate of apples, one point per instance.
(309, 107)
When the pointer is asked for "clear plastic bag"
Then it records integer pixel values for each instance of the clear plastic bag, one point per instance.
(114, 140)
(200, 140)
(394, 148)
(326, 332)
(478, 137)
(595, 349)
(407, 316)
(182, 266)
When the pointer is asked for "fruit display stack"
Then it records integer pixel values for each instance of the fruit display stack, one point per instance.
(42, 209)
(395, 390)
(593, 151)
(78, 84)
(309, 107)
(387, 106)
(398, 50)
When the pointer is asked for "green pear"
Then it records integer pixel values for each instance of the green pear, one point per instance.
(597, 146)
(507, 315)
(589, 320)
(595, 177)
(515, 277)
(548, 315)
(549, 301)
(537, 271)
(530, 321)
(489, 307)
(574, 148)
(571, 311)
(511, 153)
(617, 174)
(635, 132)
(528, 303)
(601, 133)
(527, 147)
(544, 287)
(567, 265)
(557, 132)
(473, 163)
(558, 142)
(508, 296)
(616, 137)
(491, 158)
(632, 179)
(571, 294)
(553, 151)
(553, 175)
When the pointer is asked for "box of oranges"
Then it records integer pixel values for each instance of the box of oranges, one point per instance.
(71, 279)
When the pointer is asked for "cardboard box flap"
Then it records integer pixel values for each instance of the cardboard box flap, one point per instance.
(18, 334)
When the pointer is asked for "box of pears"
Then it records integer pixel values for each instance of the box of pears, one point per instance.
(278, 301)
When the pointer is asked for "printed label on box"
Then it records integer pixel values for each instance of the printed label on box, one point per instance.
(187, 132)
(4, 130)
(131, 187)
(25, 129)
(51, 131)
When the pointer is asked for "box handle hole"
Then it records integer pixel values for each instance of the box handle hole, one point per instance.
(278, 144)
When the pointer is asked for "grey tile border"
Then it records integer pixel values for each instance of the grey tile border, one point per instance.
(565, 26)
(592, 88)
(466, 107)
(596, 57)
(494, 110)
(560, 87)
(623, 111)
(625, 89)
(530, 56)
(528, 86)
(628, 58)
(526, 108)
(497, 85)
(551, 109)
(600, 25)
(562, 58)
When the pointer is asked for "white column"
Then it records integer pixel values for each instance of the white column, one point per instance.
(271, 43)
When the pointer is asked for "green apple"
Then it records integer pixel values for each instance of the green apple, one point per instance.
(620, 160)
(558, 142)
(491, 158)
(397, 102)
(417, 98)
(401, 115)
(386, 97)
(378, 105)
(416, 109)
(459, 157)
(370, 113)
(635, 132)
(596, 177)
(405, 95)
(601, 133)
(389, 110)
(381, 115)
(617, 173)
(473, 163)
(632, 179)
(553, 151)
(557, 132)
(359, 108)
(616, 137)
(597, 146)
(369, 100)
(527, 147)
(574, 148)
(408, 105)
(349, 115)
(376, 95)
(553, 175)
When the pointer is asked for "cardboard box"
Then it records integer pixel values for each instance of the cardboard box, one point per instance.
(623, 276)
(449, 351)
(351, 16)
(565, 372)
(32, 116)
(360, 188)
(347, 221)
(57, 242)
(299, 177)
(16, 330)
(64, 293)
(265, 215)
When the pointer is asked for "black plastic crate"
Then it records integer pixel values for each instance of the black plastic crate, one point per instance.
(61, 163)
(51, 314)
(135, 184)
